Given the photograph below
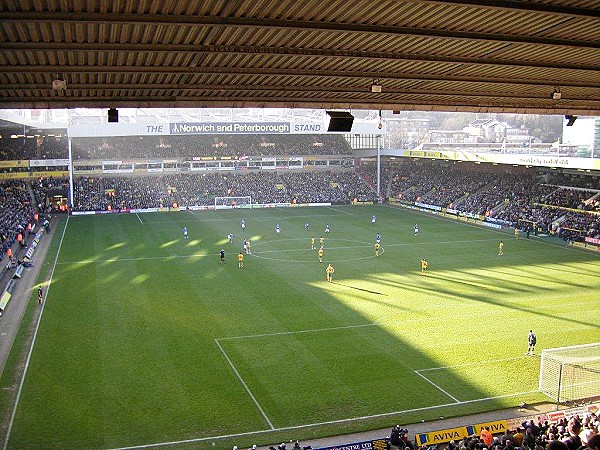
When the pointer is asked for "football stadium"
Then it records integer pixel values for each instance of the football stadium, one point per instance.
(270, 259)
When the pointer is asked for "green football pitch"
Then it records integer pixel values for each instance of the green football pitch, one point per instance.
(147, 339)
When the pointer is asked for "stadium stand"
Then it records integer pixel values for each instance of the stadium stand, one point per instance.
(517, 199)
(207, 146)
(33, 147)
(16, 212)
(42, 186)
(195, 188)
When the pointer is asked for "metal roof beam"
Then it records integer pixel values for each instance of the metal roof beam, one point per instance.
(285, 51)
(370, 75)
(252, 22)
(563, 10)
(163, 87)
(288, 102)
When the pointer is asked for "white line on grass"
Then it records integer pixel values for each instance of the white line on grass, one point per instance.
(37, 326)
(309, 425)
(339, 210)
(436, 386)
(139, 218)
(262, 412)
(282, 333)
(478, 363)
(258, 254)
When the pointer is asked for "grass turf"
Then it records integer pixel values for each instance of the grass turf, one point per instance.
(147, 338)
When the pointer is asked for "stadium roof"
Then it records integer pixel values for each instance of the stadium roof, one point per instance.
(523, 56)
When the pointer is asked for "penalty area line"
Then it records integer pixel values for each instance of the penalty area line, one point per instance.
(339, 210)
(317, 424)
(478, 363)
(437, 387)
(284, 333)
(139, 218)
(262, 412)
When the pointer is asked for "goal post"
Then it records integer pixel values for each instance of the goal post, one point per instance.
(570, 373)
(233, 202)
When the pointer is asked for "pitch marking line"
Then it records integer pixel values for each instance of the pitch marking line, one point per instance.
(437, 387)
(339, 210)
(478, 363)
(257, 254)
(262, 412)
(317, 424)
(283, 333)
(139, 218)
(37, 327)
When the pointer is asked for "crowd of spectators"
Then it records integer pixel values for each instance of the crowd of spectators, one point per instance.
(574, 434)
(101, 194)
(13, 149)
(200, 189)
(16, 213)
(202, 146)
(518, 199)
(263, 187)
(572, 180)
(505, 189)
(88, 194)
(578, 224)
(33, 147)
(368, 172)
(454, 187)
(195, 189)
(43, 186)
(135, 192)
(569, 198)
(310, 187)
(355, 188)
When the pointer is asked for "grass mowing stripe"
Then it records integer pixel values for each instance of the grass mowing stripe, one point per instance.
(37, 326)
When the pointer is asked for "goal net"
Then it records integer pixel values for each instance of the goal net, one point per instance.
(570, 373)
(233, 202)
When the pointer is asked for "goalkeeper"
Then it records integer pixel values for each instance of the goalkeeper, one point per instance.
(531, 341)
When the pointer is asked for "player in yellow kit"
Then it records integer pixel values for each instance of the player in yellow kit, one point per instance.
(240, 258)
(312, 243)
(320, 253)
(377, 248)
(501, 249)
(321, 241)
(423, 266)
(329, 271)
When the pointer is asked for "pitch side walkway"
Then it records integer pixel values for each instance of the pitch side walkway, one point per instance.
(423, 427)
(12, 318)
